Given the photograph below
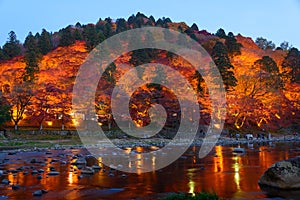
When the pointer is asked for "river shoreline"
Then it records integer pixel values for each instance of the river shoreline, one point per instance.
(29, 145)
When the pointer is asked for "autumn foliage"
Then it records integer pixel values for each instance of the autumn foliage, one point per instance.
(264, 94)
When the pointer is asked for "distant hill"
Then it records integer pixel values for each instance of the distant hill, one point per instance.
(263, 83)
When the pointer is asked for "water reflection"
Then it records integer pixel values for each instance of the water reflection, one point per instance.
(228, 175)
(236, 167)
(191, 183)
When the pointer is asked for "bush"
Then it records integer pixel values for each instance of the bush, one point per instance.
(186, 196)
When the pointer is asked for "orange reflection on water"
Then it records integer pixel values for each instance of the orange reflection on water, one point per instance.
(218, 159)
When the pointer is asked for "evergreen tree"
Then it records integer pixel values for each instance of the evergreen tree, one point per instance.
(269, 74)
(3, 56)
(92, 37)
(199, 79)
(233, 47)
(151, 21)
(131, 19)
(44, 42)
(291, 66)
(78, 25)
(37, 36)
(66, 38)
(32, 57)
(268, 65)
(121, 25)
(12, 47)
(159, 23)
(77, 35)
(4, 110)
(222, 61)
(107, 30)
(221, 33)
(194, 27)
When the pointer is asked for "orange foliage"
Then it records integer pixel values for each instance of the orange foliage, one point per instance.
(58, 70)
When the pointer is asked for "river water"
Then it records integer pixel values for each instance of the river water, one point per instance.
(229, 175)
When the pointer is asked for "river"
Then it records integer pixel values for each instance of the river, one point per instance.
(229, 175)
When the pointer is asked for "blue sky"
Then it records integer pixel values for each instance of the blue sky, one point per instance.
(276, 20)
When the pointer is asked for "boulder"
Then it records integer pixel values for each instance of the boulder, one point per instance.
(91, 160)
(79, 161)
(282, 175)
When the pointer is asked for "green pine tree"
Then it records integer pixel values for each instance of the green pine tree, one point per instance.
(66, 37)
(233, 47)
(44, 42)
(269, 74)
(291, 66)
(32, 58)
(4, 110)
(222, 61)
(12, 47)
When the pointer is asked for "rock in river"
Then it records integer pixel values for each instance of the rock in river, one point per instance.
(88, 170)
(283, 175)
(79, 161)
(53, 173)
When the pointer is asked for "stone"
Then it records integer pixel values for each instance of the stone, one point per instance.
(79, 161)
(91, 160)
(37, 193)
(88, 170)
(53, 173)
(5, 181)
(283, 175)
(15, 187)
(52, 168)
(96, 167)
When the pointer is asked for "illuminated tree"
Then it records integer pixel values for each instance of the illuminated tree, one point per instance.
(19, 99)
(258, 99)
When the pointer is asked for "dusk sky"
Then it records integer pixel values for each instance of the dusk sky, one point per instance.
(276, 20)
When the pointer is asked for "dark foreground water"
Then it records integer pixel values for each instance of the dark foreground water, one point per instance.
(230, 176)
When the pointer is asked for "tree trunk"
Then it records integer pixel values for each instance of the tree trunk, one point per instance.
(41, 126)
(62, 127)
(16, 126)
